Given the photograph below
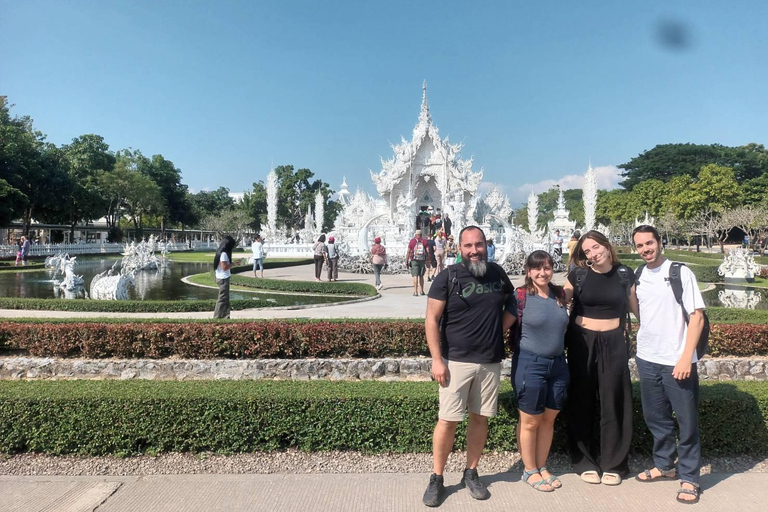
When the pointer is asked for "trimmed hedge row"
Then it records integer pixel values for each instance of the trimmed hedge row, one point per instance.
(155, 306)
(763, 260)
(132, 418)
(703, 273)
(304, 286)
(274, 339)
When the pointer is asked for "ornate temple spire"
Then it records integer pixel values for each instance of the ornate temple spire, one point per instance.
(424, 116)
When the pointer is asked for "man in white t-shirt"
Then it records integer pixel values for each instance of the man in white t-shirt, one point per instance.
(258, 255)
(666, 361)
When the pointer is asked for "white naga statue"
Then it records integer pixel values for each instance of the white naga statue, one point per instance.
(112, 285)
(141, 256)
(738, 266)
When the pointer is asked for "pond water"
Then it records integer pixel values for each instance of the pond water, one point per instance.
(162, 284)
(731, 296)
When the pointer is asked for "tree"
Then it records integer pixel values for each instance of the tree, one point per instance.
(616, 206)
(651, 196)
(236, 223)
(756, 190)
(715, 188)
(141, 197)
(207, 203)
(296, 194)
(751, 219)
(168, 178)
(87, 157)
(255, 206)
(712, 225)
(667, 161)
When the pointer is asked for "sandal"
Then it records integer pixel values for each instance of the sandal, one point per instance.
(695, 492)
(415, 294)
(591, 477)
(613, 478)
(551, 480)
(536, 485)
(668, 474)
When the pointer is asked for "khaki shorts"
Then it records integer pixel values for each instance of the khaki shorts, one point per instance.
(471, 386)
(418, 267)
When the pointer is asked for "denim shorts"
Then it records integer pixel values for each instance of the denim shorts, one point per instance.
(540, 382)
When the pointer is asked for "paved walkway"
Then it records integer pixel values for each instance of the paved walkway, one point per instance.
(395, 300)
(360, 492)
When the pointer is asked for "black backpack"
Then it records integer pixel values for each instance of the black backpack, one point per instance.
(677, 288)
(580, 273)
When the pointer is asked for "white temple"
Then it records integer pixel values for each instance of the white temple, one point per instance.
(426, 172)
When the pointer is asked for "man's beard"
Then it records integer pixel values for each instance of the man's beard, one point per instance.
(476, 268)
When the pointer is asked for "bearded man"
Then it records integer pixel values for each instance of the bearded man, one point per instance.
(469, 307)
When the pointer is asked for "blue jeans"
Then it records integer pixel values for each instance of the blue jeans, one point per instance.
(540, 382)
(258, 263)
(662, 394)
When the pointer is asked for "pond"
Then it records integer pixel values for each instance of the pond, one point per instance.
(162, 284)
(731, 296)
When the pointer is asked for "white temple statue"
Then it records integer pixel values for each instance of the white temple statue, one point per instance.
(648, 221)
(738, 266)
(562, 221)
(589, 197)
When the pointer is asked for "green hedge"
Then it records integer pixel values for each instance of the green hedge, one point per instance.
(703, 273)
(156, 306)
(763, 260)
(133, 418)
(274, 339)
(304, 286)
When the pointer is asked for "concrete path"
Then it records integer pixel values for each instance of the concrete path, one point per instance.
(395, 300)
(361, 492)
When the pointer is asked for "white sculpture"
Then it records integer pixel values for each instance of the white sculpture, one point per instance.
(648, 221)
(109, 285)
(561, 221)
(71, 282)
(141, 256)
(738, 266)
(272, 206)
(589, 197)
(319, 213)
(738, 297)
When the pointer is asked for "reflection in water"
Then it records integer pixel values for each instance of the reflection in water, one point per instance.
(733, 297)
(63, 293)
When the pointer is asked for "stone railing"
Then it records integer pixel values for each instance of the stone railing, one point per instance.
(418, 369)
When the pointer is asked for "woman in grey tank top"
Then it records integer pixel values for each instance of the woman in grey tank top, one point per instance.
(539, 370)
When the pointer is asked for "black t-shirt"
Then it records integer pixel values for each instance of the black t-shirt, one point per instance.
(472, 318)
(602, 295)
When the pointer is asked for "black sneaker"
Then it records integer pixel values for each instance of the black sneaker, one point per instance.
(433, 496)
(476, 488)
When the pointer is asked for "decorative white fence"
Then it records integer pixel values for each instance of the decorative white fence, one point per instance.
(72, 249)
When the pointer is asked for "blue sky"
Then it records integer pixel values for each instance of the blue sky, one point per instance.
(533, 89)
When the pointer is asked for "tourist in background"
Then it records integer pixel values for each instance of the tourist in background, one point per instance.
(333, 259)
(598, 355)
(491, 250)
(379, 260)
(258, 255)
(450, 251)
(431, 259)
(539, 370)
(26, 245)
(557, 243)
(19, 243)
(440, 250)
(320, 252)
(416, 259)
(447, 224)
(222, 262)
(572, 247)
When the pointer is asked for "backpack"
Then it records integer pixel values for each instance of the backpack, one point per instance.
(419, 254)
(580, 273)
(676, 282)
(516, 332)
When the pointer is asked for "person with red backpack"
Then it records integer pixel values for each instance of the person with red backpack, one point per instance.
(540, 375)
(416, 259)
(672, 338)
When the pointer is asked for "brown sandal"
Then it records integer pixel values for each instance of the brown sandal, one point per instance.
(695, 492)
(668, 474)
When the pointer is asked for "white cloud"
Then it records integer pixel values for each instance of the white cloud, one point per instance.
(608, 178)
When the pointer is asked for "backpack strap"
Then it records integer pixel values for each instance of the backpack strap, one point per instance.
(579, 273)
(638, 273)
(676, 282)
(624, 273)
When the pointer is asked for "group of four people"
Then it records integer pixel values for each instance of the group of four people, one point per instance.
(570, 351)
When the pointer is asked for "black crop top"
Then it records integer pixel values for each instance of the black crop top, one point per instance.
(602, 295)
